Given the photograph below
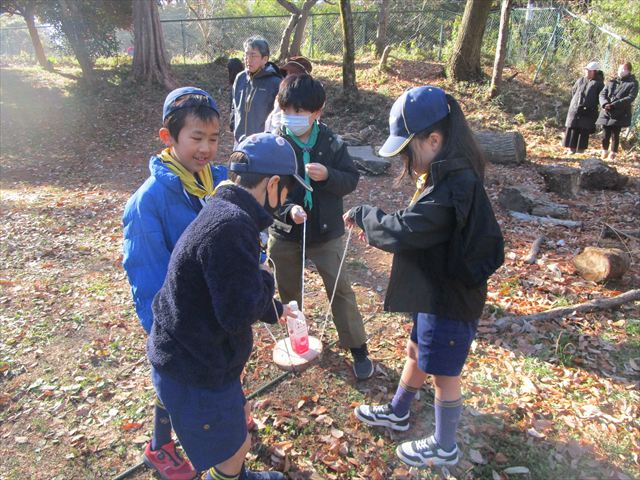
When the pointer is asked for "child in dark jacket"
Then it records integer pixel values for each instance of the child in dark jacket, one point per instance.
(182, 178)
(331, 171)
(215, 290)
(446, 244)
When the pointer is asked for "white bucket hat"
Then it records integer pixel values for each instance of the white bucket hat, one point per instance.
(592, 66)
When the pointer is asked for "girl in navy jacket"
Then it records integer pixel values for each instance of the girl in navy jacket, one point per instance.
(446, 243)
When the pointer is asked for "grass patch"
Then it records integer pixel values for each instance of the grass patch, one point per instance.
(535, 366)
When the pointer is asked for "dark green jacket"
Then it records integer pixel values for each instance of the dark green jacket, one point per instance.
(324, 220)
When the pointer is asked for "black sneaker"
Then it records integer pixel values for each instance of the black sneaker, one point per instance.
(363, 368)
(382, 416)
(426, 453)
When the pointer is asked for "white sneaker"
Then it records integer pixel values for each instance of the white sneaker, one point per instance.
(382, 416)
(426, 453)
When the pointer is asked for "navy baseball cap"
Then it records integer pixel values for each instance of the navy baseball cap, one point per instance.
(414, 111)
(169, 102)
(268, 154)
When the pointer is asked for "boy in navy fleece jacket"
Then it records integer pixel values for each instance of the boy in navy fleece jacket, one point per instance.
(214, 291)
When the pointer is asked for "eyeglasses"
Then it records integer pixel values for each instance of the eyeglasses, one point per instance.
(252, 55)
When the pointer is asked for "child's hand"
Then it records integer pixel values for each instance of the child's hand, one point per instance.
(348, 219)
(286, 312)
(298, 215)
(317, 171)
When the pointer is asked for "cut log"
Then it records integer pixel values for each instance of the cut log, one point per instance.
(597, 175)
(601, 264)
(534, 250)
(560, 312)
(507, 148)
(545, 220)
(560, 179)
(525, 200)
(367, 161)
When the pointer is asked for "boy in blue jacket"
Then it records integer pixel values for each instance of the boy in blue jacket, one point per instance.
(215, 290)
(181, 181)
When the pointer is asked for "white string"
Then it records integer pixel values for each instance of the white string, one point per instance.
(304, 253)
(335, 286)
(275, 309)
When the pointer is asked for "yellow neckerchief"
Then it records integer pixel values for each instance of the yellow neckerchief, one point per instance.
(201, 189)
(421, 183)
(222, 184)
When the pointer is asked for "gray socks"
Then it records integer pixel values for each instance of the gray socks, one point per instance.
(447, 418)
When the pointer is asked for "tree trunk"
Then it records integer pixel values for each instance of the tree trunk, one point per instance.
(349, 87)
(73, 27)
(150, 63)
(298, 36)
(35, 39)
(283, 51)
(501, 49)
(464, 64)
(381, 33)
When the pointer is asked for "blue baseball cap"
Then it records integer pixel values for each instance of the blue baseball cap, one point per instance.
(414, 111)
(169, 102)
(268, 154)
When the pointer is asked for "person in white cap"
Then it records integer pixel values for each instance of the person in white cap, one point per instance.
(583, 110)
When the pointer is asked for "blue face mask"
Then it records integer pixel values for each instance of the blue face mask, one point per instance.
(298, 124)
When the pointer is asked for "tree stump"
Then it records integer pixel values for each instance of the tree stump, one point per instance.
(601, 264)
(523, 199)
(597, 175)
(506, 148)
(565, 181)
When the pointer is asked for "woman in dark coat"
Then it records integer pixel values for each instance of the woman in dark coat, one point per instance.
(583, 110)
(616, 100)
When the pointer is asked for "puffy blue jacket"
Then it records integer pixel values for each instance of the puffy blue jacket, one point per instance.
(154, 218)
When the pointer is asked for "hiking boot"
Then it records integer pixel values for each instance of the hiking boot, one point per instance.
(426, 453)
(363, 368)
(253, 475)
(382, 416)
(168, 463)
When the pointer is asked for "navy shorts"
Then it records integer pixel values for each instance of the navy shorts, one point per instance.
(210, 424)
(443, 343)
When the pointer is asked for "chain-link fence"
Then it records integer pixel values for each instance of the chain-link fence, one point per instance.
(551, 44)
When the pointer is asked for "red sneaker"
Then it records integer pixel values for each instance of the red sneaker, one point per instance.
(251, 424)
(168, 463)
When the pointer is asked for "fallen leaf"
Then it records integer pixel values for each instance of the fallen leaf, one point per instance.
(476, 457)
(516, 471)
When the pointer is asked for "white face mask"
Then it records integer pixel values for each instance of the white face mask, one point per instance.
(298, 124)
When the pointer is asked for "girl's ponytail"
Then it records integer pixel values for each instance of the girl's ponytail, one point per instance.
(461, 141)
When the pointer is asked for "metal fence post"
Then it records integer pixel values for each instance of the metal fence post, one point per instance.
(441, 41)
(184, 46)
